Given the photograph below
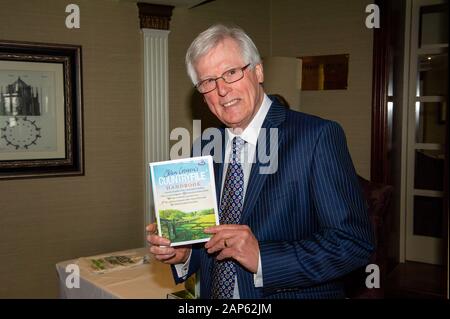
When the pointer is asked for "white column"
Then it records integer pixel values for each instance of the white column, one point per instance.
(156, 104)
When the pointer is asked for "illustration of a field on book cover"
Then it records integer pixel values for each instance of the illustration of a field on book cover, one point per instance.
(185, 199)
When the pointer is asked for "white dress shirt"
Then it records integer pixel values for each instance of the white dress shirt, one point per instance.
(250, 136)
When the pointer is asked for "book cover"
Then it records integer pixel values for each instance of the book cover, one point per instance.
(184, 195)
(182, 294)
(192, 285)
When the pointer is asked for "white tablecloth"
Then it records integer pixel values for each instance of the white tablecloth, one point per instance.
(152, 280)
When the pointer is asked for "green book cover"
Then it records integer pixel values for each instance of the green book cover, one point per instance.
(182, 294)
(185, 200)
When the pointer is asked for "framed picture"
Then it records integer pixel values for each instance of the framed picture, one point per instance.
(41, 120)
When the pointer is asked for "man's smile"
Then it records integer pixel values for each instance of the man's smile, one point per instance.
(230, 103)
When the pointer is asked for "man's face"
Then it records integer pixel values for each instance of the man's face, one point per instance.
(234, 104)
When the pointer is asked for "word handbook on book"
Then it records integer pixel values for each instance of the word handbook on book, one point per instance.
(184, 195)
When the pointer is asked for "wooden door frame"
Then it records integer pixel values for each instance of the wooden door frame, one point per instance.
(380, 161)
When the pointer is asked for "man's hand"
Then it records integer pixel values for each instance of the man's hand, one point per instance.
(161, 250)
(234, 241)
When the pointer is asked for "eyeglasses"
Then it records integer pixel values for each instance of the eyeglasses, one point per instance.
(229, 76)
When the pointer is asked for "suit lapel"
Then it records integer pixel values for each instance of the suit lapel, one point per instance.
(275, 116)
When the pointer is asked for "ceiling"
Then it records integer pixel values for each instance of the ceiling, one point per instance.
(175, 3)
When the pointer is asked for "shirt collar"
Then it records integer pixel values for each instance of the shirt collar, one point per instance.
(251, 132)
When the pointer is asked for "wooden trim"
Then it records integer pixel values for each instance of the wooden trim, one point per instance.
(153, 16)
(379, 166)
(446, 215)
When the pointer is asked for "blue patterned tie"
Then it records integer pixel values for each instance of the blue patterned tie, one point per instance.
(230, 209)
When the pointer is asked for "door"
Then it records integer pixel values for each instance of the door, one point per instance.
(426, 132)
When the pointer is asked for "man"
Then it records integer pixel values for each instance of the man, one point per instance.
(292, 232)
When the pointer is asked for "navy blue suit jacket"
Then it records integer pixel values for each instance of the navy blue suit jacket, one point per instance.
(309, 216)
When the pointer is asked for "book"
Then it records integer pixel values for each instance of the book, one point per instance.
(101, 264)
(184, 194)
(182, 294)
(192, 285)
(191, 291)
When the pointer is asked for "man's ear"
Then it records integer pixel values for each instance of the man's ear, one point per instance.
(259, 72)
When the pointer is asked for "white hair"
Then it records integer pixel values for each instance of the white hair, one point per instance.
(211, 37)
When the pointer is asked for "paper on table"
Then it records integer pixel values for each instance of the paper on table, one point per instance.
(110, 262)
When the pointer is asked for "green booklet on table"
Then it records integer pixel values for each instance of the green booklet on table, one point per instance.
(185, 200)
(191, 291)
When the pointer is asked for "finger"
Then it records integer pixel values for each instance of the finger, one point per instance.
(161, 246)
(165, 258)
(215, 229)
(151, 228)
(228, 249)
(217, 247)
(216, 240)
(220, 236)
(162, 250)
(229, 242)
(224, 254)
(220, 242)
(158, 240)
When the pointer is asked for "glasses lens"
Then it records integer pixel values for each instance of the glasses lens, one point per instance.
(233, 75)
(229, 76)
(206, 86)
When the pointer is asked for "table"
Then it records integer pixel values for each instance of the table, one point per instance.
(152, 280)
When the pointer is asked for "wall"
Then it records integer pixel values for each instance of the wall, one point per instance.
(322, 27)
(43, 221)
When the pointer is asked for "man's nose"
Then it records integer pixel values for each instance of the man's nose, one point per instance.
(222, 87)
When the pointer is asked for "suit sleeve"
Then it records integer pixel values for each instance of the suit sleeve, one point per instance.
(194, 265)
(344, 240)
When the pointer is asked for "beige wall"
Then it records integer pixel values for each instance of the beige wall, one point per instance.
(322, 27)
(43, 221)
